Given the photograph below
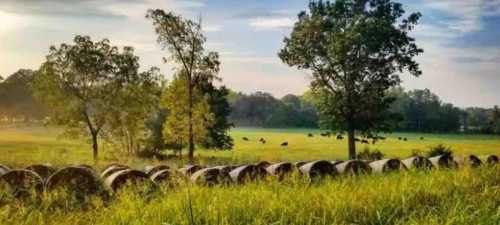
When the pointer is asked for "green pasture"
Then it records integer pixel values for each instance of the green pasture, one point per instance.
(26, 145)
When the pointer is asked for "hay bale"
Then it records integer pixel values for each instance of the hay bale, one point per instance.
(87, 166)
(471, 160)
(263, 164)
(417, 162)
(113, 169)
(150, 170)
(318, 169)
(336, 162)
(189, 170)
(120, 178)
(247, 173)
(44, 171)
(166, 176)
(353, 167)
(3, 169)
(443, 161)
(387, 165)
(113, 165)
(225, 169)
(280, 169)
(79, 179)
(207, 176)
(20, 183)
(299, 164)
(492, 160)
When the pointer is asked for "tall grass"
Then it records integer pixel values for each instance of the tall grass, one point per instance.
(466, 196)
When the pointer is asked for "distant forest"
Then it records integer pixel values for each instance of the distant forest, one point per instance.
(418, 110)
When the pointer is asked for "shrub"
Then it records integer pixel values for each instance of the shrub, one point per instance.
(366, 154)
(439, 149)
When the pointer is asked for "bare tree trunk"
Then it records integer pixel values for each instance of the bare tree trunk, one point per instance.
(95, 148)
(351, 134)
(191, 136)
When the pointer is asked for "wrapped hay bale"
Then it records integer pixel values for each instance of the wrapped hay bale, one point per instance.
(492, 160)
(78, 179)
(443, 161)
(113, 165)
(280, 169)
(299, 164)
(318, 169)
(225, 169)
(471, 160)
(112, 169)
(247, 173)
(353, 167)
(189, 170)
(263, 164)
(44, 171)
(207, 176)
(86, 166)
(120, 178)
(3, 169)
(336, 162)
(21, 182)
(387, 165)
(150, 170)
(417, 162)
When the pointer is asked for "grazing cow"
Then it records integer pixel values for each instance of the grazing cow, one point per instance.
(284, 144)
(405, 139)
(262, 140)
(364, 141)
(245, 138)
(400, 138)
(310, 135)
(374, 141)
(357, 139)
(340, 137)
(421, 138)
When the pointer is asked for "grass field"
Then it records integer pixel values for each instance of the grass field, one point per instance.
(21, 146)
(439, 197)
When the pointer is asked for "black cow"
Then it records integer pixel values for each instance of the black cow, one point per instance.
(284, 144)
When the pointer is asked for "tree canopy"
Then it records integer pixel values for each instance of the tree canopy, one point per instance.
(355, 50)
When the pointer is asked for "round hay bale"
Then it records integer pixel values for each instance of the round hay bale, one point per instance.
(443, 161)
(207, 176)
(86, 166)
(471, 160)
(79, 179)
(113, 165)
(189, 170)
(336, 162)
(166, 176)
(21, 182)
(247, 173)
(263, 164)
(3, 169)
(417, 162)
(318, 169)
(112, 169)
(300, 163)
(280, 169)
(492, 160)
(44, 171)
(353, 167)
(150, 170)
(123, 177)
(225, 169)
(387, 165)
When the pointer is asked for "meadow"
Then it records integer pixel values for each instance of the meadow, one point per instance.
(464, 196)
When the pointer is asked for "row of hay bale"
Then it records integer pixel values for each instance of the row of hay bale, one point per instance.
(85, 179)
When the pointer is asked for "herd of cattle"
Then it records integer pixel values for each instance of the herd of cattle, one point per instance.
(86, 179)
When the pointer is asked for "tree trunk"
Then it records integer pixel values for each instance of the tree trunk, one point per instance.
(190, 115)
(351, 134)
(95, 148)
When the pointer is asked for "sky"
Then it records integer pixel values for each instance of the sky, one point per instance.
(461, 40)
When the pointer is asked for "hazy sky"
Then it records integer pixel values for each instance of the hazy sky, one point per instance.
(461, 39)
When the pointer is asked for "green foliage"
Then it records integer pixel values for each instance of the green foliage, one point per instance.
(86, 84)
(368, 154)
(438, 150)
(355, 50)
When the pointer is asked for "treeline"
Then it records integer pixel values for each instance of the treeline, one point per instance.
(418, 110)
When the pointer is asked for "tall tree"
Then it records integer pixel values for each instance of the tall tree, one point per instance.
(355, 50)
(184, 40)
(81, 82)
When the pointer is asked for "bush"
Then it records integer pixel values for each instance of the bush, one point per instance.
(439, 149)
(366, 154)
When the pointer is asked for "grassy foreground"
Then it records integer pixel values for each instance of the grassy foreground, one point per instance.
(463, 196)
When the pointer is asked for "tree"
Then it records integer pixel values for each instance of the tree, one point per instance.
(184, 41)
(354, 48)
(81, 83)
(179, 128)
(495, 120)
